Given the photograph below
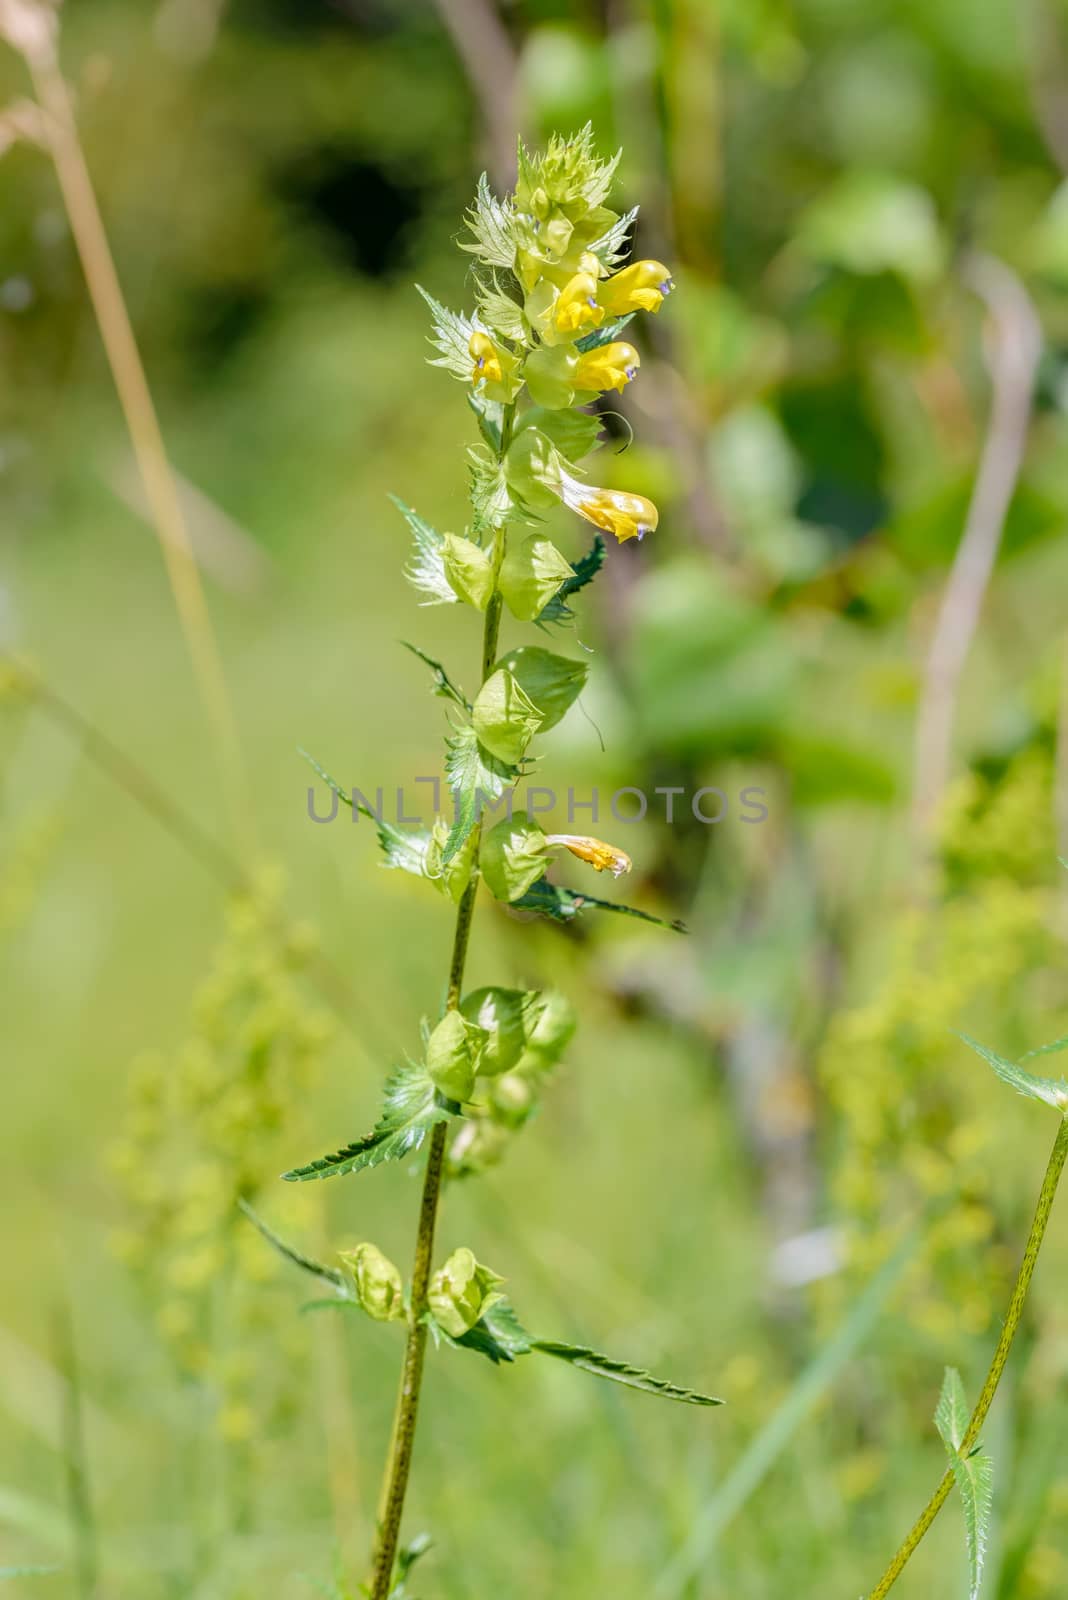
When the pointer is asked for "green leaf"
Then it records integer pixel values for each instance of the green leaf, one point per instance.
(552, 683)
(426, 567)
(492, 223)
(577, 1355)
(504, 717)
(475, 777)
(585, 570)
(1053, 1091)
(443, 684)
(513, 856)
(317, 1268)
(605, 334)
(469, 570)
(952, 1415)
(973, 1473)
(451, 337)
(563, 905)
(532, 573)
(405, 849)
(412, 1107)
(499, 1335)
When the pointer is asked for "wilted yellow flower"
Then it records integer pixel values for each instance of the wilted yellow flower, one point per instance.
(576, 311)
(610, 366)
(486, 358)
(640, 287)
(601, 857)
(628, 516)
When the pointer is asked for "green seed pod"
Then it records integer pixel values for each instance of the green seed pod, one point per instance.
(379, 1285)
(453, 1053)
(531, 574)
(513, 1098)
(553, 1028)
(468, 569)
(507, 1018)
(548, 374)
(513, 856)
(462, 1292)
(504, 717)
(551, 683)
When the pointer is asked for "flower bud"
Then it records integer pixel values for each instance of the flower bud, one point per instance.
(379, 1286)
(506, 1017)
(513, 856)
(453, 1053)
(642, 286)
(609, 366)
(552, 1031)
(462, 1292)
(494, 370)
(513, 1099)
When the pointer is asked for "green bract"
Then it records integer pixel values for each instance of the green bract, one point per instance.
(462, 1292)
(513, 856)
(453, 1053)
(379, 1286)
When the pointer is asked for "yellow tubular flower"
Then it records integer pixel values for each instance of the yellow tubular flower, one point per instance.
(610, 366)
(628, 516)
(601, 857)
(576, 311)
(641, 287)
(486, 358)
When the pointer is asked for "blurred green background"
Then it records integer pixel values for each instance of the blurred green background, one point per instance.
(752, 1120)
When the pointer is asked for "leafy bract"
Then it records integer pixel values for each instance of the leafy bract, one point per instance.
(426, 567)
(973, 1472)
(405, 849)
(492, 224)
(476, 778)
(443, 684)
(411, 1108)
(318, 1269)
(1052, 1091)
(563, 905)
(501, 1338)
(451, 338)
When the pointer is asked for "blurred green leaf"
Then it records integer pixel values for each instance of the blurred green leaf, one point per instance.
(1051, 1091)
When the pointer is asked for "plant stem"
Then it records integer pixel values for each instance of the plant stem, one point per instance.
(997, 1366)
(399, 1462)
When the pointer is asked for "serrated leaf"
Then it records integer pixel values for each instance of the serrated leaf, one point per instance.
(474, 776)
(490, 414)
(585, 570)
(426, 568)
(563, 905)
(952, 1415)
(1052, 1091)
(611, 247)
(605, 334)
(499, 1335)
(411, 1108)
(451, 337)
(443, 684)
(491, 498)
(318, 1269)
(500, 312)
(492, 222)
(405, 849)
(600, 1366)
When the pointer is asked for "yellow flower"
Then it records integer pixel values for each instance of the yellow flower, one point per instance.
(628, 516)
(601, 857)
(486, 358)
(610, 366)
(576, 311)
(641, 287)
